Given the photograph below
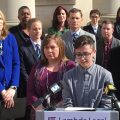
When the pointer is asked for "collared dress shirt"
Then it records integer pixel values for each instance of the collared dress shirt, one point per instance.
(86, 91)
(37, 48)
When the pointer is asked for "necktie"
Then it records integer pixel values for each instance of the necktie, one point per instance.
(38, 52)
(86, 89)
(74, 37)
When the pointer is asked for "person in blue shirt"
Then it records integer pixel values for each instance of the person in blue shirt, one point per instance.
(9, 65)
(84, 85)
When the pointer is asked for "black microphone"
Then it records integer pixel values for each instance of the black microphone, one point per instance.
(53, 89)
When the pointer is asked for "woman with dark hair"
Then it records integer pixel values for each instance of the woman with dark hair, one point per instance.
(117, 25)
(48, 71)
(59, 22)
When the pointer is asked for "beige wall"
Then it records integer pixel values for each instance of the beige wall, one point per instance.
(107, 6)
(10, 9)
(81, 4)
(45, 9)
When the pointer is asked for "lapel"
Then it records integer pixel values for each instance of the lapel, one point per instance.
(32, 51)
(114, 43)
(91, 29)
(5, 52)
(70, 42)
(82, 32)
(21, 34)
(99, 30)
(1, 61)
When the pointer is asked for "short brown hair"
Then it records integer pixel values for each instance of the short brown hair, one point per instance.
(31, 21)
(108, 22)
(75, 10)
(84, 40)
(95, 11)
(60, 44)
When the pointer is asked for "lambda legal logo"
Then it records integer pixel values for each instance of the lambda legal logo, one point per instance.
(51, 118)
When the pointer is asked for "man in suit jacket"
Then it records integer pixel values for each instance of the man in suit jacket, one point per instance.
(114, 68)
(28, 53)
(94, 26)
(74, 20)
(107, 42)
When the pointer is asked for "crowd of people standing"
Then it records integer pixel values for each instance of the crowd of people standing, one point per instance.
(85, 58)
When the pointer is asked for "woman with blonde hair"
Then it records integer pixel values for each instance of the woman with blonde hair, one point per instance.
(9, 65)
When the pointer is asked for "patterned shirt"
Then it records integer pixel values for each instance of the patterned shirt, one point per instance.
(107, 47)
(82, 90)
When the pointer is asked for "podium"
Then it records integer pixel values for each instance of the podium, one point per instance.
(77, 115)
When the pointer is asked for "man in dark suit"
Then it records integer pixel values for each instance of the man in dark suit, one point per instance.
(30, 53)
(107, 42)
(20, 31)
(94, 27)
(114, 68)
(74, 20)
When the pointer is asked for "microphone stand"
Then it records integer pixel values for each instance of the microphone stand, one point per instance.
(49, 106)
(115, 103)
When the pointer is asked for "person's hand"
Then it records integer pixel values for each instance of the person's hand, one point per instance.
(9, 103)
(8, 98)
(9, 94)
(59, 104)
(40, 107)
(3, 93)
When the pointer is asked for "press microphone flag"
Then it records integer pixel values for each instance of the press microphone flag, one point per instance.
(109, 90)
(109, 87)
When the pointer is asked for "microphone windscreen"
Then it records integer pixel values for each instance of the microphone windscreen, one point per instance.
(56, 87)
(109, 87)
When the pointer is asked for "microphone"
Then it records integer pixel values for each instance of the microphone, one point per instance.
(54, 89)
(109, 90)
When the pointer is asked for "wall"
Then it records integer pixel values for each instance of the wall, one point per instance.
(107, 6)
(45, 9)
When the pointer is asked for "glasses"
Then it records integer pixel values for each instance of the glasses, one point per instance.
(84, 55)
(94, 16)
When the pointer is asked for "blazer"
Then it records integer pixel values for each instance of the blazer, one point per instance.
(100, 49)
(20, 36)
(27, 59)
(114, 68)
(89, 29)
(9, 63)
(67, 37)
(116, 32)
